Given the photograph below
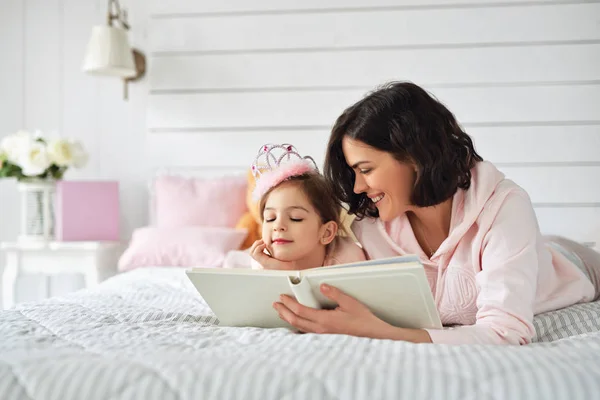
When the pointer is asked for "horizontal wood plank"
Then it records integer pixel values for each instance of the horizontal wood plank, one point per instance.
(504, 145)
(538, 144)
(576, 223)
(558, 184)
(224, 149)
(366, 68)
(161, 7)
(378, 28)
(321, 107)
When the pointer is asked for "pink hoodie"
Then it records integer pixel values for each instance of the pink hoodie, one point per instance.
(495, 270)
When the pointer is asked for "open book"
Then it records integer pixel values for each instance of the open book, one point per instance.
(394, 289)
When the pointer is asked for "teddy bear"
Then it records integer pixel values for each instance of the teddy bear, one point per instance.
(250, 220)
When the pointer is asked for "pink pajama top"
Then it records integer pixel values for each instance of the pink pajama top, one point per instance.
(494, 272)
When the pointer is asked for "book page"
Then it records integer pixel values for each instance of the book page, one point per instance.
(400, 296)
(245, 271)
(243, 299)
(382, 261)
(365, 266)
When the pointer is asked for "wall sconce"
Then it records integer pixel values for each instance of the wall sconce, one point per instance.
(109, 53)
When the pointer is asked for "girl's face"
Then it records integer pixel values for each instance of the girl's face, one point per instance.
(385, 180)
(292, 229)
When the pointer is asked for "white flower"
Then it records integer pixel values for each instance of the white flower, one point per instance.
(34, 159)
(80, 156)
(15, 145)
(65, 153)
(60, 152)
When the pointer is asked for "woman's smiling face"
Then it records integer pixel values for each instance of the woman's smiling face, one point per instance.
(386, 181)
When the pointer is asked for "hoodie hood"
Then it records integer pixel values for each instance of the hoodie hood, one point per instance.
(467, 205)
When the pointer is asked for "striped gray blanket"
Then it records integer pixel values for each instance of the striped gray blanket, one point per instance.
(147, 334)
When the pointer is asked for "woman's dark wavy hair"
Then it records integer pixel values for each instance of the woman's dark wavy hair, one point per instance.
(402, 119)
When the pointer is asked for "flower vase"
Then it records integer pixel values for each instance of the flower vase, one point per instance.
(37, 210)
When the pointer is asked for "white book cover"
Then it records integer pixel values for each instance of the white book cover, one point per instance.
(394, 289)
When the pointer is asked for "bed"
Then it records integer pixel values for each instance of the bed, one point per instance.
(147, 334)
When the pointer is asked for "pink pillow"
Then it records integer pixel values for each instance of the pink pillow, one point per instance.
(180, 201)
(180, 247)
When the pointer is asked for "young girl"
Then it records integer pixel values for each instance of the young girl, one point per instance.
(300, 215)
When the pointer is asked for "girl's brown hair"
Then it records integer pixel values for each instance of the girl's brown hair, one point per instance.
(319, 193)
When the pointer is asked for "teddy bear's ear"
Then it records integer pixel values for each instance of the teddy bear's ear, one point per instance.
(251, 219)
(251, 204)
(251, 180)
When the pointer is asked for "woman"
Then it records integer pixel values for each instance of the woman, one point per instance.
(399, 159)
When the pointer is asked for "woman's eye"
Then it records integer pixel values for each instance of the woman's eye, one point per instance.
(297, 219)
(365, 171)
(269, 219)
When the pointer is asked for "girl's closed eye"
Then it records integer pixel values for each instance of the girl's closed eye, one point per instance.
(269, 217)
(297, 215)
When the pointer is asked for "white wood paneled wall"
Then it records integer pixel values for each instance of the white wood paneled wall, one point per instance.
(42, 86)
(523, 77)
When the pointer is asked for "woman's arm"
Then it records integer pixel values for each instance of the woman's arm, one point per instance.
(507, 282)
(507, 287)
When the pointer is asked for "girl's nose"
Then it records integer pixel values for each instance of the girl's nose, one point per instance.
(278, 226)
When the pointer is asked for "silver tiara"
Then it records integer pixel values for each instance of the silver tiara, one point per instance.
(271, 156)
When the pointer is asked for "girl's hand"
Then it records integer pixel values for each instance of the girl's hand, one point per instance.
(257, 251)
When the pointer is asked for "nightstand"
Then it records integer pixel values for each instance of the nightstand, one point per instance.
(96, 261)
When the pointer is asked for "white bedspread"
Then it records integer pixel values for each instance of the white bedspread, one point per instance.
(147, 334)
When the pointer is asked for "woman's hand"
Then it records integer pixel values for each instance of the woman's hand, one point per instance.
(257, 251)
(351, 317)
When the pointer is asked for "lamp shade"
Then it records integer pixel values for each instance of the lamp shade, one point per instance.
(108, 53)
